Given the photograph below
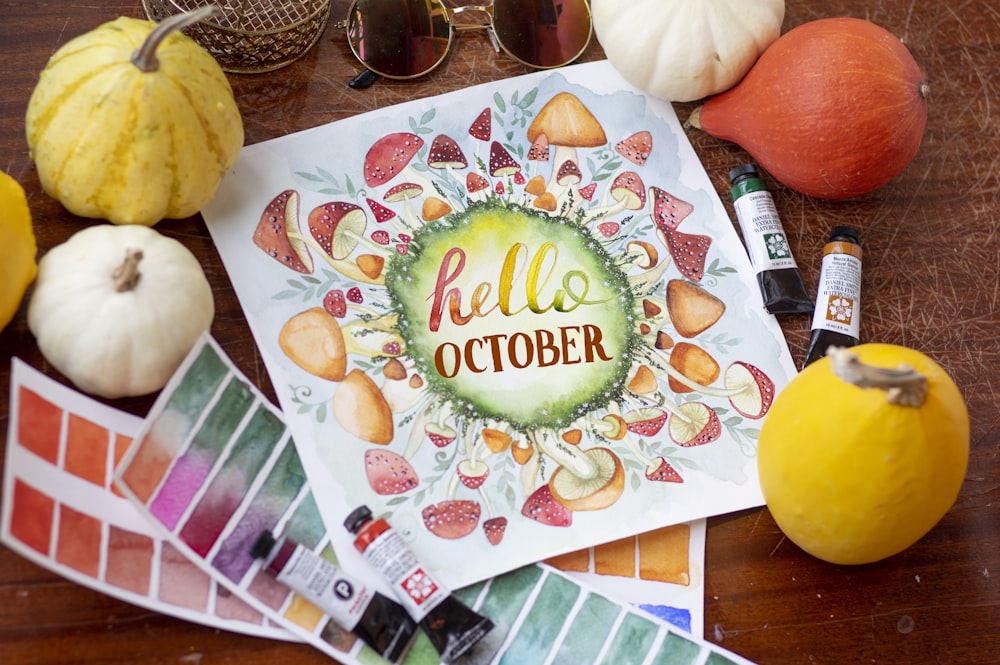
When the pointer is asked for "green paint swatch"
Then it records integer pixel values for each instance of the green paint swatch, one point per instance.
(544, 621)
(676, 650)
(588, 632)
(632, 641)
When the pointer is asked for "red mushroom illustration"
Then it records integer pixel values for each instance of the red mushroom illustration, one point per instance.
(542, 507)
(538, 152)
(502, 163)
(477, 186)
(388, 473)
(453, 518)
(404, 192)
(629, 193)
(446, 154)
(667, 210)
(389, 156)
(689, 250)
(277, 233)
(636, 148)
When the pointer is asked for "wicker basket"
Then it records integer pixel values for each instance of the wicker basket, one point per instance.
(251, 36)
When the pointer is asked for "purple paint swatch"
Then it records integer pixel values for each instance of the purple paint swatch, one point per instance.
(230, 485)
(192, 468)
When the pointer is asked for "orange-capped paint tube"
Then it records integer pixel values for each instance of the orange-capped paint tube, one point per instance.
(453, 627)
(837, 319)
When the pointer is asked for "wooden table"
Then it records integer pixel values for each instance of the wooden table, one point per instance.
(932, 269)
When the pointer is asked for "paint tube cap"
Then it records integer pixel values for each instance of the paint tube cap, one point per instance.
(848, 233)
(742, 172)
(357, 518)
(264, 544)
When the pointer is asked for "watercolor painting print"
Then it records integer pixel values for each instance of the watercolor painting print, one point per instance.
(516, 319)
(61, 511)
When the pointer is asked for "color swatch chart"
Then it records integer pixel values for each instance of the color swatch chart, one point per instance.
(61, 511)
(215, 465)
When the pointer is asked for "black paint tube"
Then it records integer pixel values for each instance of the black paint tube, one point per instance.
(778, 275)
(382, 623)
(837, 319)
(453, 627)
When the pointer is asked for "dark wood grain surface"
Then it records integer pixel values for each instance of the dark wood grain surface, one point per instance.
(931, 281)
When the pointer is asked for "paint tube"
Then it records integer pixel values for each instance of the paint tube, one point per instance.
(837, 319)
(381, 622)
(778, 275)
(453, 628)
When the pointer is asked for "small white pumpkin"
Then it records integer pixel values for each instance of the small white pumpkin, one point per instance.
(117, 308)
(683, 50)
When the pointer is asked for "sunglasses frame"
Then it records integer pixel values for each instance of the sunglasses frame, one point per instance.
(450, 15)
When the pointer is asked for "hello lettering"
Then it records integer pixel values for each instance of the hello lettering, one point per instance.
(540, 347)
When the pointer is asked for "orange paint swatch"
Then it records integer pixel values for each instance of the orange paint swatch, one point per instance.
(39, 425)
(87, 450)
(147, 469)
(616, 558)
(663, 554)
(577, 561)
(79, 545)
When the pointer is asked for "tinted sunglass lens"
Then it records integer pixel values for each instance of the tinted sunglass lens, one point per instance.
(542, 33)
(399, 39)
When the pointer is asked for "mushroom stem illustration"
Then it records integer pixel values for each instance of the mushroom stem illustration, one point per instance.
(567, 125)
(748, 389)
(629, 193)
(657, 469)
(346, 267)
(563, 454)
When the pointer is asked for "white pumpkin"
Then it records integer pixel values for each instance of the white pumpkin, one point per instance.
(683, 50)
(117, 308)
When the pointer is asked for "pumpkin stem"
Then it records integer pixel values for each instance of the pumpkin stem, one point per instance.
(694, 120)
(127, 275)
(904, 385)
(145, 57)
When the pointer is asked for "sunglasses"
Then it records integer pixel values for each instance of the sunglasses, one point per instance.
(404, 39)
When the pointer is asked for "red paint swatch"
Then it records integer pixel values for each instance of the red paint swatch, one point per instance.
(87, 450)
(130, 560)
(79, 544)
(231, 606)
(31, 517)
(39, 425)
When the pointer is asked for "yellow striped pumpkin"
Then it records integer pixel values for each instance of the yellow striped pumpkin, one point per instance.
(133, 122)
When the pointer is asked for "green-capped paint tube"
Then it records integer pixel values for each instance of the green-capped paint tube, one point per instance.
(778, 275)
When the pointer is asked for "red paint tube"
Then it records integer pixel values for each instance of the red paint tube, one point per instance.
(453, 628)
(381, 622)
